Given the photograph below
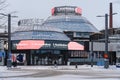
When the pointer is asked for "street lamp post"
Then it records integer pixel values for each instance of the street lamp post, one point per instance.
(106, 54)
(9, 62)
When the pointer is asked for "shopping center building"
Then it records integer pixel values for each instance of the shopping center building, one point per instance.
(64, 37)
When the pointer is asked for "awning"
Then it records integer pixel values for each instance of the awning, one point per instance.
(75, 46)
(30, 44)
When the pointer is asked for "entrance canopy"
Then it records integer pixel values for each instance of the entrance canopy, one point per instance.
(30, 44)
(41, 44)
(75, 46)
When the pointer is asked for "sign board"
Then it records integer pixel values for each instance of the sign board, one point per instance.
(66, 10)
(30, 22)
(39, 44)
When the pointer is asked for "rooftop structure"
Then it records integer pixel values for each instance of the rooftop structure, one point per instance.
(69, 18)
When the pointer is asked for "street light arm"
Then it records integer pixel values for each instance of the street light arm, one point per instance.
(100, 16)
(114, 13)
(107, 15)
(7, 15)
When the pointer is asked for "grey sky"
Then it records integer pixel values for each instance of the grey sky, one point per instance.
(42, 9)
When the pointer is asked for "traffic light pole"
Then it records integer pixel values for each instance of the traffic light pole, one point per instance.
(106, 54)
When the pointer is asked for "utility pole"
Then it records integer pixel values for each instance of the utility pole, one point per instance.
(9, 62)
(106, 54)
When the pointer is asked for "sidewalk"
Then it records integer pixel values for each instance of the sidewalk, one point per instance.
(29, 70)
(71, 67)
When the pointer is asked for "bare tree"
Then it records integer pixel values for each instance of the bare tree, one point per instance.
(3, 5)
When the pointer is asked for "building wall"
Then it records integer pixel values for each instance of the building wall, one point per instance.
(100, 46)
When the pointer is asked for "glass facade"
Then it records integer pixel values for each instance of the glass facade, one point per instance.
(39, 32)
(55, 32)
(82, 34)
(74, 23)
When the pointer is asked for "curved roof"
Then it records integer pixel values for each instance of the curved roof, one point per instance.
(38, 28)
(39, 32)
(75, 23)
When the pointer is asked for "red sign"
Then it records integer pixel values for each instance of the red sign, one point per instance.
(75, 46)
(105, 55)
(30, 44)
(53, 11)
(78, 10)
(66, 9)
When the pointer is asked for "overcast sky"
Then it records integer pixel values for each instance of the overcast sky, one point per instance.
(42, 9)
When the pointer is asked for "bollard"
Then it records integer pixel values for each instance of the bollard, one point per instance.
(76, 66)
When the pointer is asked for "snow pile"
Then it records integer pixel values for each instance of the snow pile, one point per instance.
(101, 68)
(3, 68)
(71, 67)
(36, 67)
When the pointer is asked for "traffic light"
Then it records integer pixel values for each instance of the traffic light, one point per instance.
(106, 56)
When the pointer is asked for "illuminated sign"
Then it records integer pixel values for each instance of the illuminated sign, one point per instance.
(78, 10)
(66, 10)
(30, 44)
(75, 46)
(39, 44)
(55, 45)
(53, 11)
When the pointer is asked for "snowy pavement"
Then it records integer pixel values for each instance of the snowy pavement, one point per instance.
(83, 72)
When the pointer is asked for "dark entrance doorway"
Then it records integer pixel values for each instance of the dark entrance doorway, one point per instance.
(112, 58)
(48, 57)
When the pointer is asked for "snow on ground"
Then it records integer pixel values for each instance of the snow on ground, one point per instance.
(5, 72)
(62, 77)
(80, 67)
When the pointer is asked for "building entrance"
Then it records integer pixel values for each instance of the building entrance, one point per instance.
(48, 58)
(112, 58)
